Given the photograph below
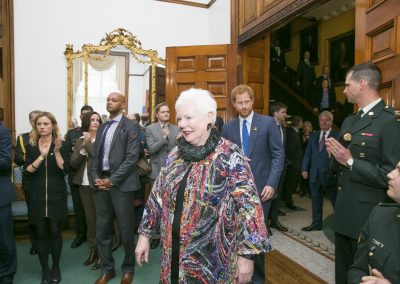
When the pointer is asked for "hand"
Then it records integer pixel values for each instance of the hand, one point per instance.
(267, 193)
(244, 270)
(316, 109)
(341, 154)
(166, 130)
(142, 250)
(376, 278)
(103, 184)
(58, 144)
(304, 174)
(86, 138)
(43, 148)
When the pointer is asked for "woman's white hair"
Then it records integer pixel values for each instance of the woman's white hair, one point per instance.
(202, 99)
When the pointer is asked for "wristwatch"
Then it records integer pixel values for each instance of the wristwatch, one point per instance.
(349, 163)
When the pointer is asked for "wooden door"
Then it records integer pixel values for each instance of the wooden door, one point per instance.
(255, 66)
(378, 40)
(160, 87)
(211, 67)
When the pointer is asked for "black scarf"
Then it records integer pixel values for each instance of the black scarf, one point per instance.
(190, 153)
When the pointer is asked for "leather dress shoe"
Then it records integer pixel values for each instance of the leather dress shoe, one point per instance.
(312, 228)
(33, 251)
(78, 241)
(127, 278)
(97, 264)
(291, 206)
(277, 225)
(281, 213)
(91, 258)
(55, 275)
(104, 278)
(154, 243)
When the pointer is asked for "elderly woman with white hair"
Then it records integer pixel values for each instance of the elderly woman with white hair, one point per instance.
(205, 202)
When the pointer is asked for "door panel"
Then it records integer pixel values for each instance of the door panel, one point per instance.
(211, 67)
(378, 40)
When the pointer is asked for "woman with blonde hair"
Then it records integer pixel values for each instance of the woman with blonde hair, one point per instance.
(46, 191)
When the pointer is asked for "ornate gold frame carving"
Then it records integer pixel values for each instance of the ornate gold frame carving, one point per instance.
(117, 37)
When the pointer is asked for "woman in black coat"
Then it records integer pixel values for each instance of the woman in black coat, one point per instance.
(45, 166)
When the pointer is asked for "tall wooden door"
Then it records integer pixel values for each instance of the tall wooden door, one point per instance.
(378, 40)
(210, 67)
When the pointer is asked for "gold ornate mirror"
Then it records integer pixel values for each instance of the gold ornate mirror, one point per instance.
(111, 60)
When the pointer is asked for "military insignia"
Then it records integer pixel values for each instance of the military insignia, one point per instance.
(255, 129)
(377, 243)
(397, 114)
(362, 155)
(347, 137)
(371, 113)
(367, 134)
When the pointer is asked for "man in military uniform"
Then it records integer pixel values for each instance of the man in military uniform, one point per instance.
(372, 150)
(80, 224)
(378, 252)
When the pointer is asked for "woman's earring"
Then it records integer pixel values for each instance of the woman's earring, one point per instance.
(209, 126)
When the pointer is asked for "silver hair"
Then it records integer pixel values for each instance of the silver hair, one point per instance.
(327, 113)
(202, 99)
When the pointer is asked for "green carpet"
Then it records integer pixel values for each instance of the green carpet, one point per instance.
(72, 270)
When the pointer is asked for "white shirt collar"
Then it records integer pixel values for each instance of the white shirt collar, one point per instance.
(370, 106)
(248, 119)
(326, 133)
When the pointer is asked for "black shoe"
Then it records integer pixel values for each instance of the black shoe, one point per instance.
(116, 245)
(91, 258)
(291, 206)
(55, 275)
(33, 251)
(78, 241)
(154, 243)
(277, 225)
(97, 264)
(312, 228)
(281, 213)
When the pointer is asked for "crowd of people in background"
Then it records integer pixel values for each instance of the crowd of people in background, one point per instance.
(215, 188)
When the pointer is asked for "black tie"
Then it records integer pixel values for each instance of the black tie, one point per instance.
(360, 113)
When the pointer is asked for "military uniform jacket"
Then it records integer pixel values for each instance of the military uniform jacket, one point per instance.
(379, 245)
(375, 149)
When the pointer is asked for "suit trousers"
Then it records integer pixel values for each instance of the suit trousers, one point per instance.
(79, 213)
(89, 206)
(8, 253)
(345, 248)
(119, 204)
(275, 203)
(292, 181)
(317, 190)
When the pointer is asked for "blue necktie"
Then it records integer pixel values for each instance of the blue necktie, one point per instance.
(101, 149)
(245, 138)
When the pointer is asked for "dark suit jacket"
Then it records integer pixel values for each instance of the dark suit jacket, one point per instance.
(265, 149)
(317, 99)
(7, 193)
(316, 162)
(294, 151)
(123, 156)
(70, 138)
(375, 148)
(305, 73)
(379, 245)
(277, 59)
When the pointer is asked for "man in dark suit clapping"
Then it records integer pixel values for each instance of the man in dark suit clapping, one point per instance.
(116, 153)
(316, 168)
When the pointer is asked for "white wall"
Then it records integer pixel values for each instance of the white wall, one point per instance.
(219, 22)
(43, 27)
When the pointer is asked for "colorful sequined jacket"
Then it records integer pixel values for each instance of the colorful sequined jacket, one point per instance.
(222, 215)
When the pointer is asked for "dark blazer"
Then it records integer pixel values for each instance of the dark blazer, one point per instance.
(294, 149)
(45, 189)
(318, 95)
(375, 148)
(7, 193)
(70, 138)
(123, 156)
(266, 153)
(316, 162)
(158, 146)
(305, 73)
(19, 155)
(379, 245)
(79, 162)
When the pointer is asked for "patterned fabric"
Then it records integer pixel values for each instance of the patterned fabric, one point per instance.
(222, 215)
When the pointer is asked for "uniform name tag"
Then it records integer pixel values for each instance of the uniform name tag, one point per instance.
(377, 243)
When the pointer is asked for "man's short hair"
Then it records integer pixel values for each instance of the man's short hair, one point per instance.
(276, 107)
(297, 120)
(366, 71)
(241, 89)
(160, 105)
(86, 107)
(137, 116)
(327, 113)
(33, 113)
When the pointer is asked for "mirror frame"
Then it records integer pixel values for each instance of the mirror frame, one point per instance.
(117, 37)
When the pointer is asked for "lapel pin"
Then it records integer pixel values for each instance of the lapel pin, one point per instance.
(255, 129)
(371, 113)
